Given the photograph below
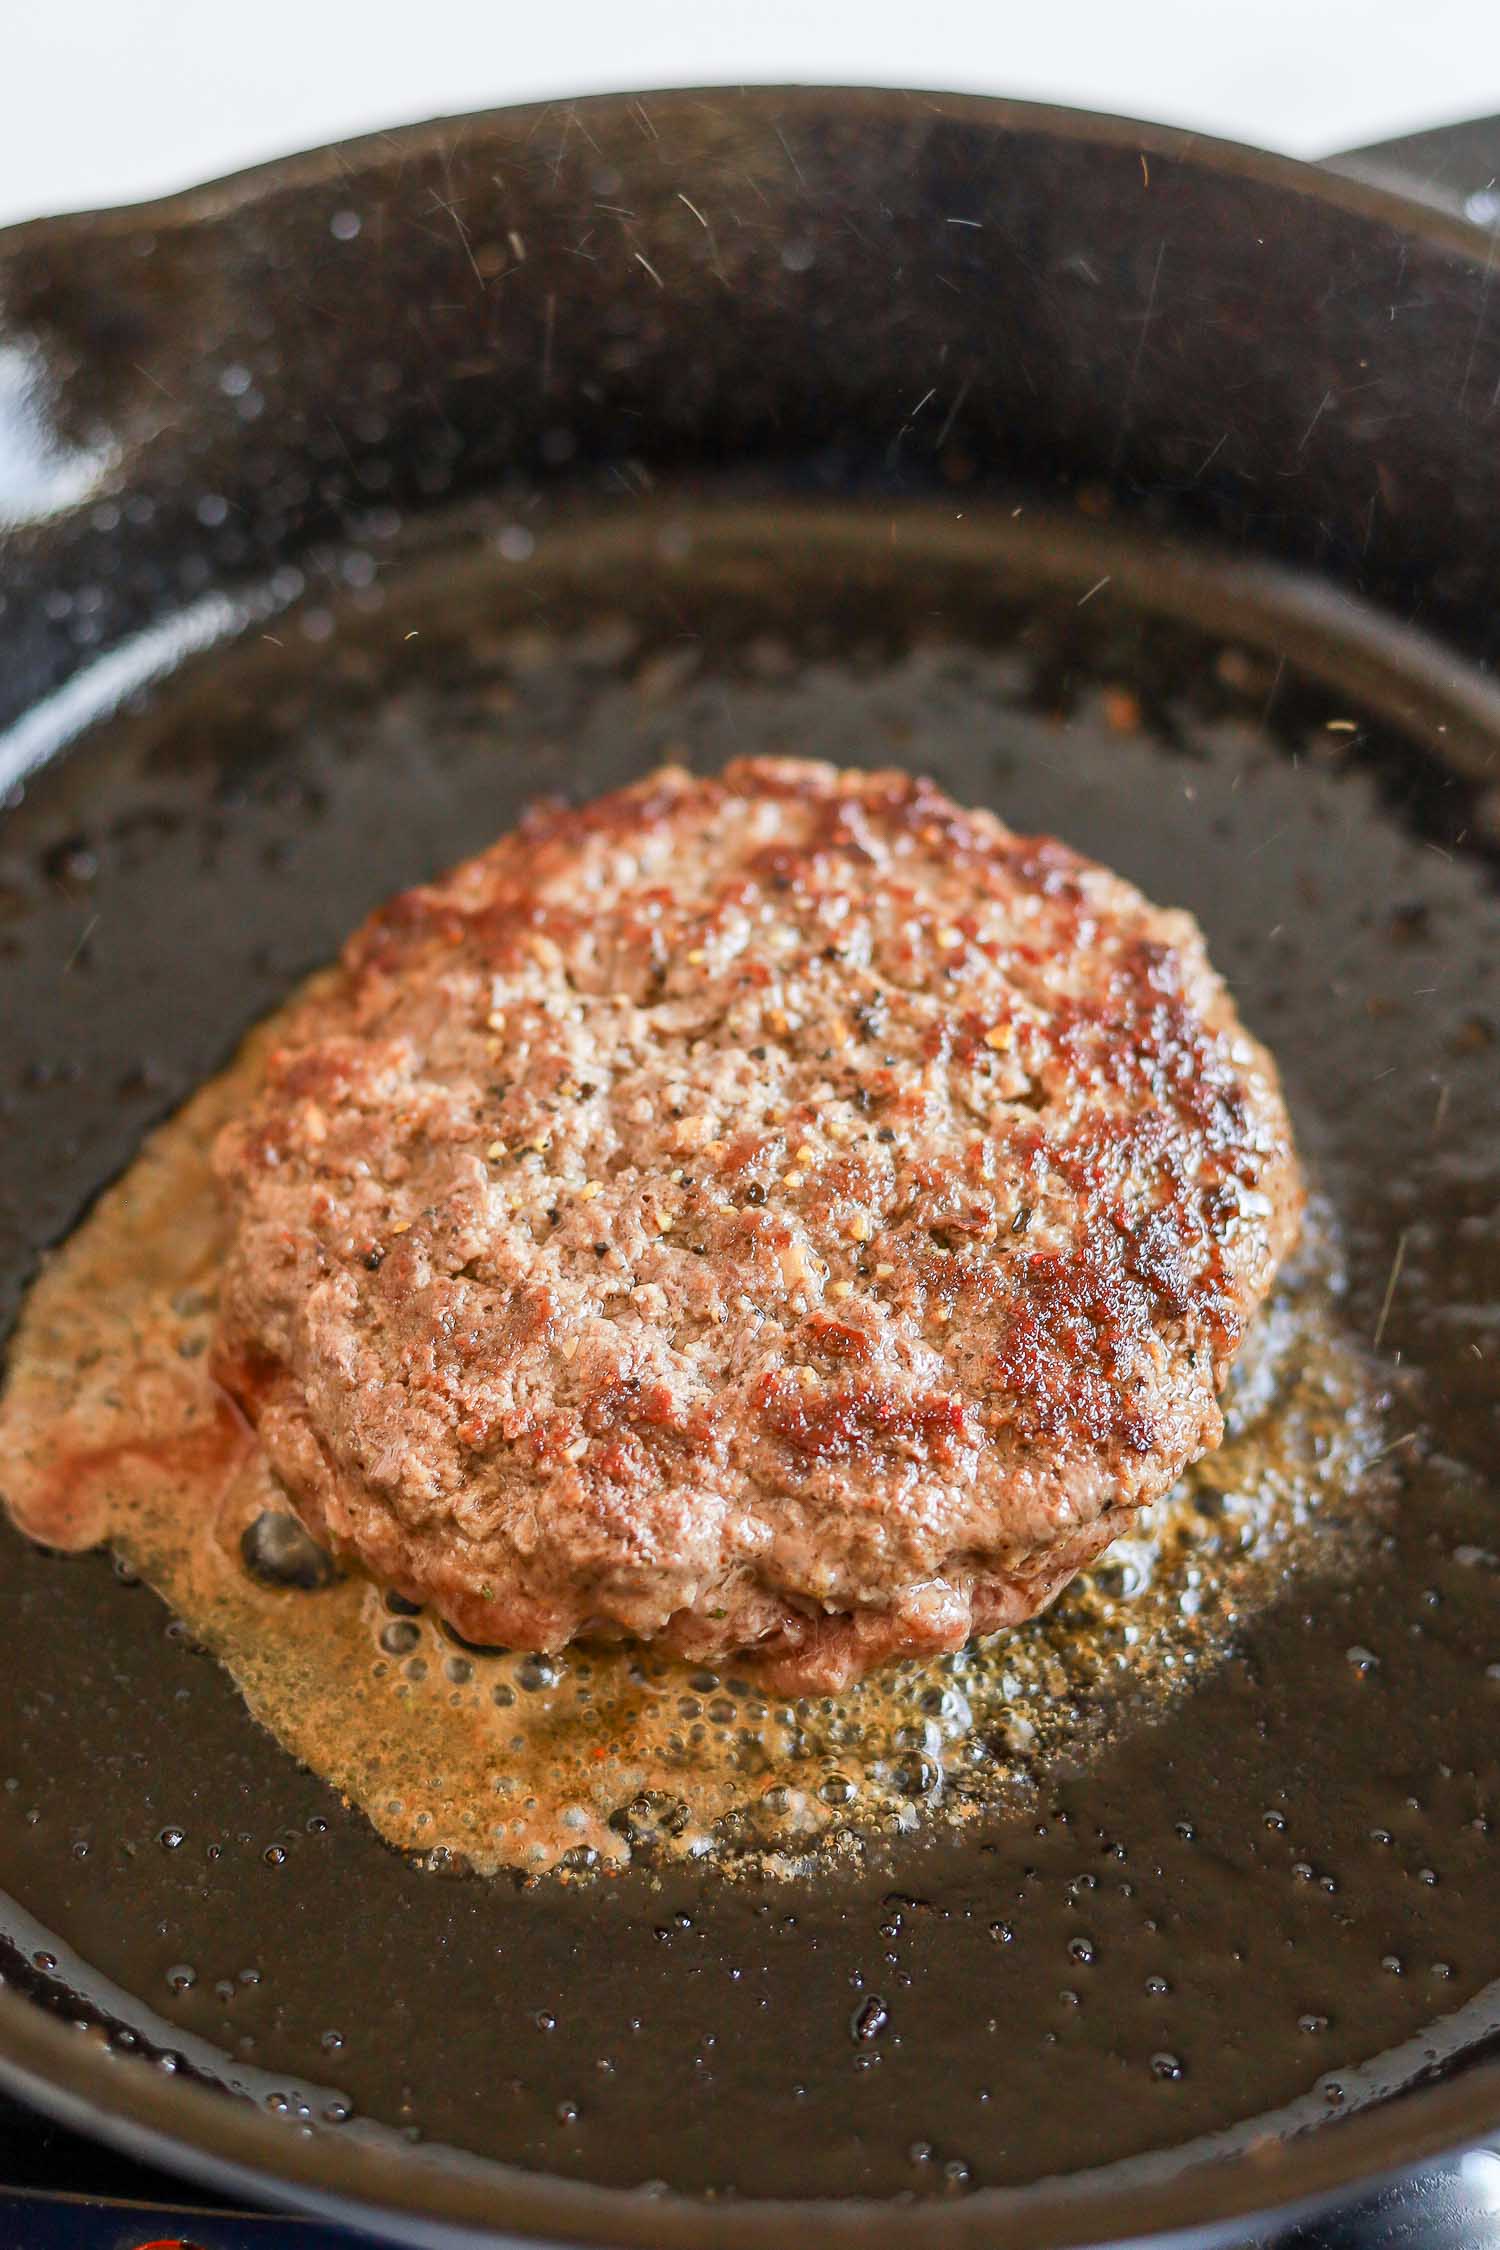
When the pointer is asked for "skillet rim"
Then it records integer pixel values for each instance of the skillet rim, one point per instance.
(209, 200)
(410, 2197)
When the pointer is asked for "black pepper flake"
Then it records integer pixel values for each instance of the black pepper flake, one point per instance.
(601, 1249)
(755, 1193)
(1410, 922)
(757, 1054)
(886, 1133)
(374, 1260)
(1022, 1220)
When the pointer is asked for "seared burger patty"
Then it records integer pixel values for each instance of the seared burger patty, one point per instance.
(781, 1216)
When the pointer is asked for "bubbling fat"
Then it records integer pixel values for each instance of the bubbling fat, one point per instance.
(112, 1432)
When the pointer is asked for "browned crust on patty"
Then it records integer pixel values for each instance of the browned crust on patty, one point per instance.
(781, 1215)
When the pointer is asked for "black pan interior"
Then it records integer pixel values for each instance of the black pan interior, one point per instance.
(1302, 1852)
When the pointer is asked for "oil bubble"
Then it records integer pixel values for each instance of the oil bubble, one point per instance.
(869, 2018)
(278, 1550)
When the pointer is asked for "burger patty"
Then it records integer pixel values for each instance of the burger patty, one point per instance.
(781, 1216)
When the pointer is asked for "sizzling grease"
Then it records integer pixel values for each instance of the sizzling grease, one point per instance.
(110, 1430)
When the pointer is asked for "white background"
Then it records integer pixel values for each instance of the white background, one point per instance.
(108, 100)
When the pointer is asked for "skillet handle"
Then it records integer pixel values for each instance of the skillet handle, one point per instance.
(1454, 167)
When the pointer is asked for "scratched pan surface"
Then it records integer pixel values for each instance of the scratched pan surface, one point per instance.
(514, 457)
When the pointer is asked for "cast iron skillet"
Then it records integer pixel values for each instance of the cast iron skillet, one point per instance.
(1144, 487)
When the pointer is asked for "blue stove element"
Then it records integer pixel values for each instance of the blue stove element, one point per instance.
(58, 2192)
(66, 2222)
(1451, 2208)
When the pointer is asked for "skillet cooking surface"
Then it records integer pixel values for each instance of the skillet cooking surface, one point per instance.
(1300, 1850)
